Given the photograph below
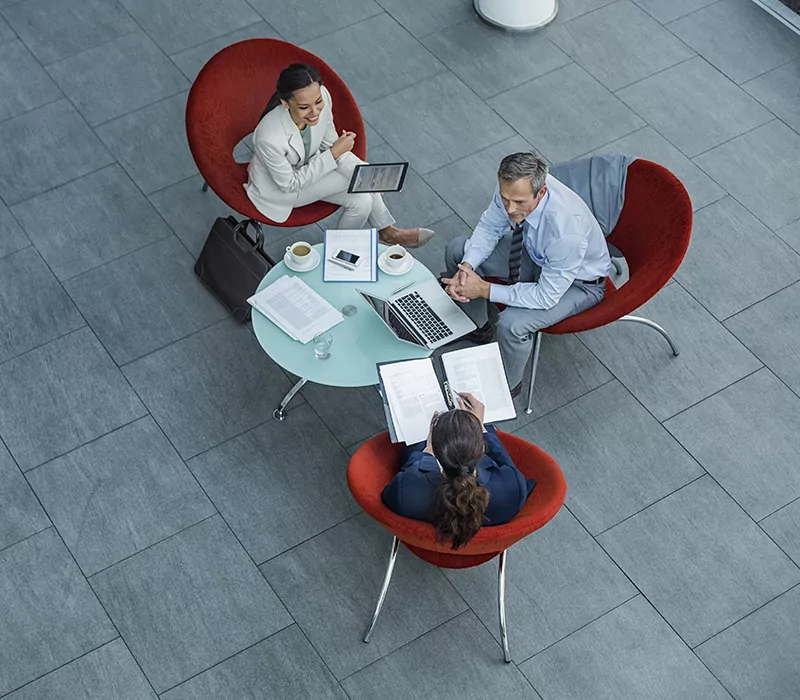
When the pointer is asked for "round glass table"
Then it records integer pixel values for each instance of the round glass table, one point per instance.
(360, 341)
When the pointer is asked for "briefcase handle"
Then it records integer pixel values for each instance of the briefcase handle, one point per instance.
(243, 240)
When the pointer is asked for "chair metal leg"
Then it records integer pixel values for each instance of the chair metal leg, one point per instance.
(386, 579)
(537, 346)
(280, 412)
(652, 324)
(501, 604)
(205, 186)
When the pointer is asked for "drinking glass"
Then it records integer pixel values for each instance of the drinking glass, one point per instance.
(322, 345)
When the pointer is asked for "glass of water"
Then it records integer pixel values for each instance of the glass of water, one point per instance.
(322, 345)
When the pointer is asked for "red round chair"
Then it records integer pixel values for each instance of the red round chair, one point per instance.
(653, 233)
(376, 462)
(225, 104)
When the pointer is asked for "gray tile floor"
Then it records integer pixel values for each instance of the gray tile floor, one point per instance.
(160, 534)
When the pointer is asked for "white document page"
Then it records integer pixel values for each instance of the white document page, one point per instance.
(361, 242)
(414, 395)
(479, 370)
(296, 308)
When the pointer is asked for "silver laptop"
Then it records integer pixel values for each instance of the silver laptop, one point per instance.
(421, 315)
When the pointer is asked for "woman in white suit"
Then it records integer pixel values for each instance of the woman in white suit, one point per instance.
(299, 158)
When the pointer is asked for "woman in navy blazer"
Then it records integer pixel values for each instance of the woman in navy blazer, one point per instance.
(460, 479)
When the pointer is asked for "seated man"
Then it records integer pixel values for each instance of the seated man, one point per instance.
(542, 238)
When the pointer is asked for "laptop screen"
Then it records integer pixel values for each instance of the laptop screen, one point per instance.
(390, 318)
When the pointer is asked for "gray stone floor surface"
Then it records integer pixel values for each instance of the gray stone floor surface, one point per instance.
(162, 536)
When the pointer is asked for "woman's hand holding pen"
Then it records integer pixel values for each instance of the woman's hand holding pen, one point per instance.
(343, 144)
(470, 402)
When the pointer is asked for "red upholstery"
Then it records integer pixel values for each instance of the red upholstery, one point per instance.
(225, 103)
(653, 233)
(375, 463)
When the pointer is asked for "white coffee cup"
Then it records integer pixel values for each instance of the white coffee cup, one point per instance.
(396, 256)
(299, 253)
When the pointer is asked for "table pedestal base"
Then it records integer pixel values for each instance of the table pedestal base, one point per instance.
(280, 412)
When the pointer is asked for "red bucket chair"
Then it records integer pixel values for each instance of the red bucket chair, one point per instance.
(376, 462)
(653, 234)
(225, 104)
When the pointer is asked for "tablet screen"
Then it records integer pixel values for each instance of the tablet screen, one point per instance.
(378, 177)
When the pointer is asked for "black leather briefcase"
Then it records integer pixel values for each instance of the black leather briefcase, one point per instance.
(232, 263)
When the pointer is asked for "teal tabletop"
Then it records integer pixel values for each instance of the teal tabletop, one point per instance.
(359, 342)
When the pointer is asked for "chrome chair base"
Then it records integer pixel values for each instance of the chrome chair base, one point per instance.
(537, 345)
(501, 597)
(280, 412)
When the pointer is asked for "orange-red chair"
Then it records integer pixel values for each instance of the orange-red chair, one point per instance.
(227, 100)
(376, 462)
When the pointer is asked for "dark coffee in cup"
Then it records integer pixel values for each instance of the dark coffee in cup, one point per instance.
(396, 256)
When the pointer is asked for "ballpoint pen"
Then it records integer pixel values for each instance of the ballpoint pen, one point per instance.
(400, 289)
(336, 262)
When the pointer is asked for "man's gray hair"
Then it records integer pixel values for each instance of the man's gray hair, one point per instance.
(527, 165)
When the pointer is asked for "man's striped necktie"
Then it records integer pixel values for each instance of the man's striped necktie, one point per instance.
(515, 255)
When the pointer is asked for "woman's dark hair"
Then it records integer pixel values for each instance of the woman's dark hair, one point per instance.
(292, 78)
(459, 502)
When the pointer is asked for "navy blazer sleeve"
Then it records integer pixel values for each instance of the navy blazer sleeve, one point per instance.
(507, 485)
(409, 493)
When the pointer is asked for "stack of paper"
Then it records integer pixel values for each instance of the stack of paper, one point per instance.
(363, 243)
(295, 308)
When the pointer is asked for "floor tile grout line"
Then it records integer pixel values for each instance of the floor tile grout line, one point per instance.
(227, 658)
(29, 200)
(27, 112)
(70, 451)
(741, 619)
(723, 321)
(568, 403)
(630, 579)
(726, 142)
(710, 396)
(175, 342)
(316, 651)
(151, 545)
(28, 537)
(103, 43)
(655, 502)
(58, 668)
(411, 641)
(754, 521)
(308, 539)
(122, 256)
(86, 580)
(652, 75)
(582, 627)
(674, 19)
(776, 511)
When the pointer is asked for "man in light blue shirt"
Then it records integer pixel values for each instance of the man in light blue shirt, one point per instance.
(556, 264)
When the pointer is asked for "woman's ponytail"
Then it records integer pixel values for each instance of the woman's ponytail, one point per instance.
(459, 503)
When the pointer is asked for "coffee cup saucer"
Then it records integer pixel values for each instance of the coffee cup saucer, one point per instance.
(383, 264)
(313, 260)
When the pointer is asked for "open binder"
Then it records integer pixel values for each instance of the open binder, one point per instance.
(412, 392)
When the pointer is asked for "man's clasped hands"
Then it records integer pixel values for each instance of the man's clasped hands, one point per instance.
(467, 284)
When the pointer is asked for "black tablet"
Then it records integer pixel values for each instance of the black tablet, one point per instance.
(378, 177)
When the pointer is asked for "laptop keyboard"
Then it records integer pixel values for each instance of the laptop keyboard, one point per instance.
(424, 318)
